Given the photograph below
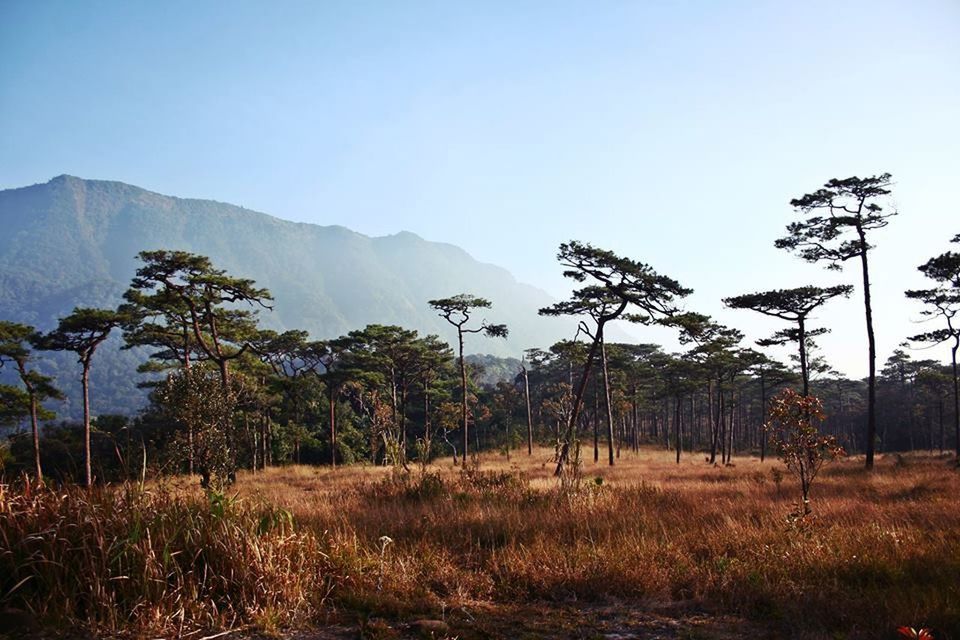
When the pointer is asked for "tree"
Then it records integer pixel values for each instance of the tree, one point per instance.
(160, 319)
(82, 332)
(457, 311)
(792, 305)
(15, 340)
(394, 352)
(433, 360)
(793, 424)
(616, 284)
(716, 351)
(325, 359)
(943, 301)
(196, 396)
(526, 397)
(14, 404)
(837, 218)
(289, 357)
(179, 279)
(770, 374)
(936, 385)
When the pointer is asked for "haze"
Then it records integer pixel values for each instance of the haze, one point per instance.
(674, 133)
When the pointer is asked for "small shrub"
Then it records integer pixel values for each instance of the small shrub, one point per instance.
(793, 423)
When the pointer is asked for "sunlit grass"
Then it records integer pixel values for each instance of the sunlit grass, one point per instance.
(881, 549)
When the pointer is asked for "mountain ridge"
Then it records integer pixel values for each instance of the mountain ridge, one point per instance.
(73, 242)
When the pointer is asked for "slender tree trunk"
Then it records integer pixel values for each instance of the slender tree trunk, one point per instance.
(85, 383)
(606, 388)
(36, 437)
(690, 420)
(722, 436)
(251, 439)
(263, 440)
(256, 446)
(577, 402)
(666, 424)
(426, 415)
(956, 398)
(269, 439)
(403, 419)
(463, 399)
(714, 422)
(596, 421)
(940, 421)
(677, 428)
(872, 349)
(526, 393)
(224, 373)
(802, 334)
(332, 401)
(763, 415)
(190, 447)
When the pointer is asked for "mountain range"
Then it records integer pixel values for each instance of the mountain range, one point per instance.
(73, 242)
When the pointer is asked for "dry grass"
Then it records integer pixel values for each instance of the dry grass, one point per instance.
(882, 549)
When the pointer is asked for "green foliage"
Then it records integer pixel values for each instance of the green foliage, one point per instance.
(196, 399)
(837, 217)
(792, 305)
(615, 284)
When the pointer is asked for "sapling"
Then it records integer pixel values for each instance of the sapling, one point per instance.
(793, 425)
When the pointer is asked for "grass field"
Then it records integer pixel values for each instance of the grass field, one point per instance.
(500, 550)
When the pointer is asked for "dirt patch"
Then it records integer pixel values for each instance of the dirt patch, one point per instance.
(615, 621)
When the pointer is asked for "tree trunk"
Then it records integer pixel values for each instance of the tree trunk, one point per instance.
(426, 415)
(36, 437)
(526, 393)
(403, 420)
(714, 422)
(763, 415)
(85, 383)
(596, 421)
(802, 334)
(956, 397)
(190, 447)
(577, 402)
(872, 348)
(606, 388)
(463, 399)
(332, 400)
(251, 438)
(677, 429)
(722, 436)
(940, 421)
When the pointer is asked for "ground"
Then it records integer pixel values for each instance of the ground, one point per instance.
(644, 549)
(499, 548)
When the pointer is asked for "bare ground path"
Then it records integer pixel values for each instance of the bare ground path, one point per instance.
(535, 621)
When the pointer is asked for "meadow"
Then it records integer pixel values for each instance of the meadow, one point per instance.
(647, 548)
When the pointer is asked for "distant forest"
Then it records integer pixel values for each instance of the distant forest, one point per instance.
(227, 393)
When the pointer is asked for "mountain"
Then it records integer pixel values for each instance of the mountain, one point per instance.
(73, 242)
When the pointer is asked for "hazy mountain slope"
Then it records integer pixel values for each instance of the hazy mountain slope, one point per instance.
(73, 242)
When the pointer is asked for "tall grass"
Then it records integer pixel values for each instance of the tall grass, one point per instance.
(155, 562)
(881, 549)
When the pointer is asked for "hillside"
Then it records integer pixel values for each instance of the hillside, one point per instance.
(72, 242)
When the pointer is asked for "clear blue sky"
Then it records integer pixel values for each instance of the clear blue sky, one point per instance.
(672, 132)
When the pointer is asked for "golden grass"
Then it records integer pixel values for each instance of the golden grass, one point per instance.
(882, 549)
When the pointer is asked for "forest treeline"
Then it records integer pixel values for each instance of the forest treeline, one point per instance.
(228, 394)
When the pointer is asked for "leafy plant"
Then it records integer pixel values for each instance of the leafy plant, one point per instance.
(794, 420)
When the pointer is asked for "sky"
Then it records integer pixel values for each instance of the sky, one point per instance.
(674, 133)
